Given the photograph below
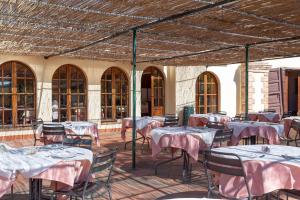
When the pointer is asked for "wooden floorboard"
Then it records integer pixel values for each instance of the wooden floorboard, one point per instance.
(140, 183)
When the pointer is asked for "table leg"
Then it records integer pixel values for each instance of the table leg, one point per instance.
(35, 189)
(187, 167)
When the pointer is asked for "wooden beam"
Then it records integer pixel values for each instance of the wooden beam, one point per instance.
(222, 49)
(264, 18)
(154, 22)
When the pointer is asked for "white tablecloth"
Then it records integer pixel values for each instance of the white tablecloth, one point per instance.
(238, 127)
(206, 134)
(277, 153)
(31, 161)
(142, 122)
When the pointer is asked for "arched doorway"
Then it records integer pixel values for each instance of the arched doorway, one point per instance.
(152, 93)
(207, 93)
(69, 94)
(114, 94)
(18, 94)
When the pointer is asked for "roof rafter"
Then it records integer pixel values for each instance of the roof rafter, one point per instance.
(221, 49)
(154, 22)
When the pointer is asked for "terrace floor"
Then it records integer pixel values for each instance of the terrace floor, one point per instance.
(141, 183)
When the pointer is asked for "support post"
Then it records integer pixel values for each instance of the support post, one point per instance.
(247, 80)
(133, 97)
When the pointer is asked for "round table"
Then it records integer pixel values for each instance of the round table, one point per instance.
(266, 171)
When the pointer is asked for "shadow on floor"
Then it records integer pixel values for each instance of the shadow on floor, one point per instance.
(190, 194)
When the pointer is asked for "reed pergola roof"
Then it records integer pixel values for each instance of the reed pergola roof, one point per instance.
(209, 32)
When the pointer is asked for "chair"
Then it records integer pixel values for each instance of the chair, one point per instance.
(35, 125)
(215, 125)
(82, 141)
(295, 125)
(171, 120)
(221, 136)
(101, 170)
(240, 117)
(287, 114)
(293, 193)
(221, 112)
(53, 133)
(269, 110)
(225, 163)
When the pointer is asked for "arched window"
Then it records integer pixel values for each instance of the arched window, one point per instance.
(114, 94)
(18, 94)
(153, 92)
(207, 93)
(69, 96)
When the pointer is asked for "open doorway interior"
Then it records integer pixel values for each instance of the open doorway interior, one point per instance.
(146, 95)
(293, 91)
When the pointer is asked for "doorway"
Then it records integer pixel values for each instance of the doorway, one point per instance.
(293, 83)
(152, 92)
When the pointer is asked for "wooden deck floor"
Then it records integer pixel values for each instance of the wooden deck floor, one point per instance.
(137, 184)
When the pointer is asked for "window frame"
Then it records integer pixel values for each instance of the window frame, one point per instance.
(104, 94)
(68, 92)
(14, 93)
(205, 94)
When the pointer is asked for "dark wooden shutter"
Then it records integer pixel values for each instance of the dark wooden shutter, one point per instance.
(275, 100)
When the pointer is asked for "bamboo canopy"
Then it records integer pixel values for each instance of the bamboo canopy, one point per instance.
(169, 32)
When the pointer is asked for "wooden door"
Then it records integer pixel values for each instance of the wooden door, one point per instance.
(276, 90)
(157, 95)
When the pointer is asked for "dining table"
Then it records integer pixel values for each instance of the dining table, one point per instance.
(144, 125)
(245, 129)
(78, 128)
(267, 167)
(65, 165)
(287, 123)
(189, 139)
(264, 116)
(203, 119)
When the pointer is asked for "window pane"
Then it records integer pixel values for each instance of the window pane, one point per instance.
(7, 84)
(63, 101)
(7, 101)
(103, 100)
(81, 86)
(20, 85)
(74, 100)
(7, 117)
(55, 86)
(63, 72)
(81, 102)
(109, 100)
(21, 71)
(7, 70)
(21, 101)
(118, 100)
(63, 86)
(63, 115)
(29, 86)
(109, 113)
(74, 88)
(29, 101)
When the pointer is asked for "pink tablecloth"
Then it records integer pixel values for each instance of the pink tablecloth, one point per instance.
(143, 129)
(271, 132)
(65, 165)
(266, 172)
(264, 117)
(189, 139)
(203, 119)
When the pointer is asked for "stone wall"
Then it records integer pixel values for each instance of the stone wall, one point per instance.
(258, 87)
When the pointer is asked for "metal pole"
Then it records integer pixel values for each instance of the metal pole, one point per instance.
(133, 97)
(247, 80)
